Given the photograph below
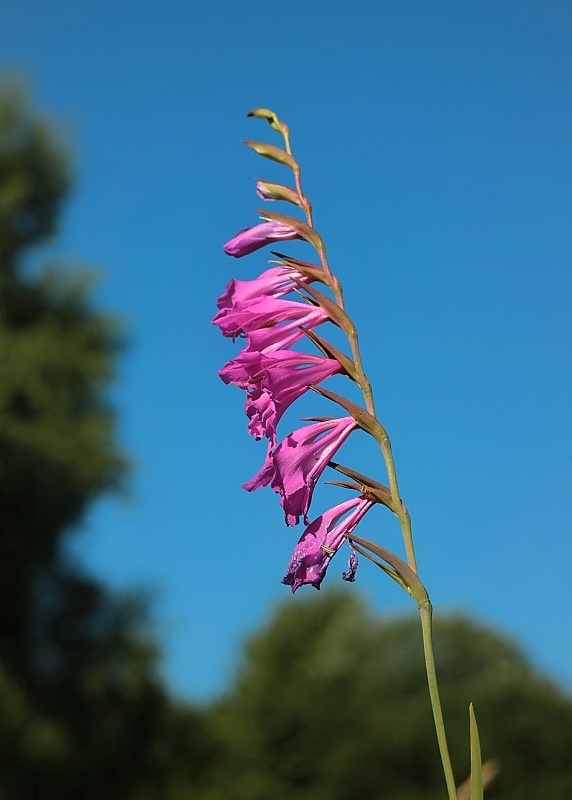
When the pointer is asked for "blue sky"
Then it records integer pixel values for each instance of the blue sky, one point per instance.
(435, 146)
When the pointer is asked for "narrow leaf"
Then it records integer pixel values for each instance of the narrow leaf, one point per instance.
(273, 153)
(476, 763)
(305, 231)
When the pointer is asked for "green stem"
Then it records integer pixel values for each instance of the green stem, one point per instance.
(425, 608)
(426, 613)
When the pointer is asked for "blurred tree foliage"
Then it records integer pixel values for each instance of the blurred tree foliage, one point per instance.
(331, 704)
(83, 713)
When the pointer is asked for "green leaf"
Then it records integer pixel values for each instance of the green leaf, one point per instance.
(273, 153)
(476, 763)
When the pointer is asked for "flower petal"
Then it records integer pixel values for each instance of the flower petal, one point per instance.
(300, 459)
(250, 239)
(320, 542)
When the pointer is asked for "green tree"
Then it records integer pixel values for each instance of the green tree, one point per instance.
(82, 710)
(331, 704)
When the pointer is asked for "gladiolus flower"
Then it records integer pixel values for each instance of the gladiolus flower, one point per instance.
(273, 382)
(250, 239)
(274, 282)
(294, 468)
(265, 312)
(321, 541)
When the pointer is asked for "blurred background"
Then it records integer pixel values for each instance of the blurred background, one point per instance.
(148, 648)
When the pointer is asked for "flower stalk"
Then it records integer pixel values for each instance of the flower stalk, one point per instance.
(274, 377)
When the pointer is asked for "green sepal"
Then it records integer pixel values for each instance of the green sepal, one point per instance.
(270, 116)
(357, 476)
(476, 762)
(363, 418)
(307, 233)
(337, 314)
(281, 192)
(388, 570)
(273, 153)
(303, 267)
(330, 351)
(362, 488)
(366, 485)
(409, 578)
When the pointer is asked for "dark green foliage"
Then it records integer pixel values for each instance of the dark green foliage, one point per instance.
(332, 704)
(83, 713)
(56, 432)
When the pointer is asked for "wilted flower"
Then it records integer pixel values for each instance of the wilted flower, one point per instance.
(250, 239)
(321, 541)
(294, 467)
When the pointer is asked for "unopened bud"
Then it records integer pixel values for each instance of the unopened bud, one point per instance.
(271, 117)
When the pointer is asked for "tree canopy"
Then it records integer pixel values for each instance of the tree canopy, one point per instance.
(83, 711)
(331, 703)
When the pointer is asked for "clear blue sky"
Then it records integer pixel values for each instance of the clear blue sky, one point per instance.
(435, 140)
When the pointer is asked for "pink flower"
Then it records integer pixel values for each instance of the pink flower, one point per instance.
(266, 312)
(294, 468)
(274, 282)
(250, 239)
(273, 381)
(279, 337)
(321, 541)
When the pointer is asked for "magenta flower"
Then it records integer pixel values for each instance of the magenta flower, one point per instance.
(279, 337)
(266, 312)
(273, 381)
(250, 239)
(294, 468)
(321, 541)
(274, 282)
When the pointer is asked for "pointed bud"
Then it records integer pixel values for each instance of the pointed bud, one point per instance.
(273, 153)
(271, 117)
(275, 191)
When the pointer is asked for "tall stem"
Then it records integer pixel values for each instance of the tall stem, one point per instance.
(425, 609)
(426, 613)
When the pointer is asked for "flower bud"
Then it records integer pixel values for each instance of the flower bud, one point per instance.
(275, 191)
